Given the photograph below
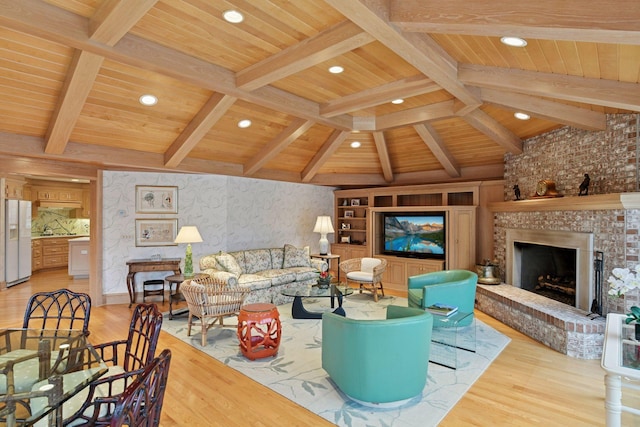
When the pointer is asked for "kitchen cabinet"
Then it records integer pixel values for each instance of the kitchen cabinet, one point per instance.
(58, 194)
(36, 254)
(14, 189)
(55, 252)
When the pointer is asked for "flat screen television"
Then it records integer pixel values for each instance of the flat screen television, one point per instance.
(415, 234)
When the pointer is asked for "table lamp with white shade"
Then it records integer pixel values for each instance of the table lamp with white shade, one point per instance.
(188, 234)
(323, 226)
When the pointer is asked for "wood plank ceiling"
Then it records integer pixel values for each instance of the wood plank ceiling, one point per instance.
(72, 71)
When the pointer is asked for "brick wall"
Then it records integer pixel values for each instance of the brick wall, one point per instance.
(565, 155)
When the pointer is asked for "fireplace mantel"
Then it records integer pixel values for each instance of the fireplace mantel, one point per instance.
(572, 203)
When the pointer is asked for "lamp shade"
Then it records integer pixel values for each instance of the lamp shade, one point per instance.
(188, 234)
(323, 225)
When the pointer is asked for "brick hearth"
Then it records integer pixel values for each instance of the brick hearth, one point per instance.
(561, 327)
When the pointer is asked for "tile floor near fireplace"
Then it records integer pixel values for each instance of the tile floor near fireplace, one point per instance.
(566, 329)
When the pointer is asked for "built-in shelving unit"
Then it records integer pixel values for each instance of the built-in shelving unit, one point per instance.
(358, 225)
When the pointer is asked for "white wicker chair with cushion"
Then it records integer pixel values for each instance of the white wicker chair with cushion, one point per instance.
(210, 300)
(366, 272)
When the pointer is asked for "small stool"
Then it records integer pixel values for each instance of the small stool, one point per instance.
(154, 290)
(259, 330)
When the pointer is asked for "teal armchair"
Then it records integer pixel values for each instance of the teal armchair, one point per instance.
(377, 362)
(452, 287)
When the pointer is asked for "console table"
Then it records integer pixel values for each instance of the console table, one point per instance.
(619, 354)
(148, 265)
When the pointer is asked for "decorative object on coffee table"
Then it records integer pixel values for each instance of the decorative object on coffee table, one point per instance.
(323, 226)
(188, 234)
(259, 330)
(324, 280)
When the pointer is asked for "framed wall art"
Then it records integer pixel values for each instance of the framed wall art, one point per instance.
(156, 232)
(156, 199)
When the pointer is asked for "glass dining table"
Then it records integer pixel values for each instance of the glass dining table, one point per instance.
(40, 369)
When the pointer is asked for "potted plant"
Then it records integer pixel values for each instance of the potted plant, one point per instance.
(324, 280)
(634, 317)
(621, 281)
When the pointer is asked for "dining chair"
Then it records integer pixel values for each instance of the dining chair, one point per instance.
(62, 310)
(141, 403)
(126, 359)
(210, 300)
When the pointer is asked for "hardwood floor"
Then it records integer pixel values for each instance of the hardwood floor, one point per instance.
(527, 385)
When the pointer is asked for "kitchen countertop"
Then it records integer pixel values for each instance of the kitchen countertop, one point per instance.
(80, 239)
(59, 235)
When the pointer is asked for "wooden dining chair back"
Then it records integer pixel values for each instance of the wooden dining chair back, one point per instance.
(128, 358)
(61, 310)
(141, 403)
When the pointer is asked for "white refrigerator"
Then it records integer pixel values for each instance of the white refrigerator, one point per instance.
(18, 242)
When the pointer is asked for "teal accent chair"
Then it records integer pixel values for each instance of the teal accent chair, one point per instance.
(452, 287)
(378, 362)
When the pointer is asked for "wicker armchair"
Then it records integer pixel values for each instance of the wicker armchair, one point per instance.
(210, 300)
(366, 272)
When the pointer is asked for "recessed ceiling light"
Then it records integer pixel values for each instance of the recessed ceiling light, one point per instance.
(397, 101)
(355, 144)
(513, 41)
(148, 100)
(244, 123)
(233, 16)
(521, 116)
(336, 69)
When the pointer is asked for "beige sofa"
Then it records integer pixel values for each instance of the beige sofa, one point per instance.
(266, 272)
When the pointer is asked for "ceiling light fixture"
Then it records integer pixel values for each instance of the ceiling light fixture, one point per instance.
(244, 123)
(355, 144)
(521, 116)
(233, 16)
(397, 101)
(513, 41)
(148, 100)
(336, 69)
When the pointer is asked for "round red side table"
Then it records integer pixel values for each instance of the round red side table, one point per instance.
(259, 330)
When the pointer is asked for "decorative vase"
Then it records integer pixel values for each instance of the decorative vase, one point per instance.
(324, 283)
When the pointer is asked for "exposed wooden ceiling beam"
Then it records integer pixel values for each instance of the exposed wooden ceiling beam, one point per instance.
(574, 20)
(52, 23)
(415, 115)
(326, 151)
(487, 125)
(114, 18)
(411, 86)
(111, 22)
(419, 50)
(339, 39)
(607, 93)
(544, 109)
(204, 120)
(438, 148)
(383, 155)
(295, 130)
(82, 73)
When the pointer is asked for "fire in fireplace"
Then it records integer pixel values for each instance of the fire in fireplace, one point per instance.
(556, 264)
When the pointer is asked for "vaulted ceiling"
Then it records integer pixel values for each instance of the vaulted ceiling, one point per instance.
(72, 71)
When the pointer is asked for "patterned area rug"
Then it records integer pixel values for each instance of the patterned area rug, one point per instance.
(296, 371)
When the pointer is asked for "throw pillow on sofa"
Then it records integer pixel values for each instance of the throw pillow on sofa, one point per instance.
(295, 257)
(229, 263)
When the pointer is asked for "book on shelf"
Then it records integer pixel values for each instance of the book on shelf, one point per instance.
(442, 309)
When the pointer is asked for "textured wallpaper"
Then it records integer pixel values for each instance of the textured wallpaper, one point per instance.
(231, 213)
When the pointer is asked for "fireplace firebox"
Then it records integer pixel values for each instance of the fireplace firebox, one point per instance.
(555, 264)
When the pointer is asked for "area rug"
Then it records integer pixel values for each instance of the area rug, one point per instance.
(296, 371)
